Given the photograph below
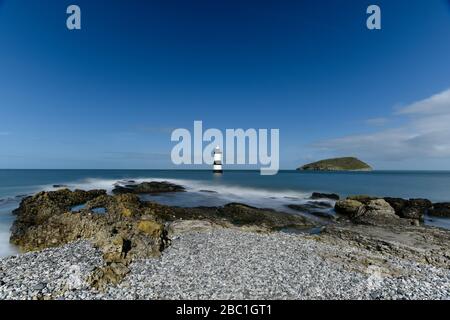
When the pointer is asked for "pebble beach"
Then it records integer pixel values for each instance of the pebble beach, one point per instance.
(227, 264)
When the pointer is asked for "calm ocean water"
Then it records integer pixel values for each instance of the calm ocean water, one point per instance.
(241, 186)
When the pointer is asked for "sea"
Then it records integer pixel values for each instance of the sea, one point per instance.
(204, 188)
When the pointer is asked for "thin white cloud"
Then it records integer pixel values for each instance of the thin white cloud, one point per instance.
(425, 134)
(4, 133)
(377, 121)
(436, 104)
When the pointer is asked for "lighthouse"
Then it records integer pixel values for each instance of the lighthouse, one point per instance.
(217, 160)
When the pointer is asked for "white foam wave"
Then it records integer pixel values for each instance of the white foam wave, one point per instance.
(219, 193)
(190, 185)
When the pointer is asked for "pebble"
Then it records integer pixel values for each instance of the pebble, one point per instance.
(227, 264)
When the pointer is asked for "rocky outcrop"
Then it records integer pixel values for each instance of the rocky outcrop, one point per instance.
(368, 211)
(348, 207)
(413, 243)
(376, 212)
(148, 187)
(128, 230)
(440, 209)
(410, 209)
(37, 209)
(241, 215)
(318, 195)
(337, 164)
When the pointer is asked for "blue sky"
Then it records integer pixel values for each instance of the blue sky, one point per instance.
(109, 95)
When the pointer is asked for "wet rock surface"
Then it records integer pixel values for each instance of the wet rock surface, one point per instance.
(315, 208)
(152, 187)
(440, 209)
(318, 195)
(410, 209)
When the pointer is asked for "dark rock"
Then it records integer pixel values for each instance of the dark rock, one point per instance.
(59, 186)
(415, 209)
(149, 188)
(310, 206)
(233, 214)
(420, 203)
(122, 190)
(440, 209)
(412, 212)
(318, 195)
(397, 203)
(410, 209)
(241, 214)
(208, 191)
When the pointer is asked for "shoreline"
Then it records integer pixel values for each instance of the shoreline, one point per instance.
(229, 264)
(374, 256)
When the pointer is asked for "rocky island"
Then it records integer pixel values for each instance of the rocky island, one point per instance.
(337, 164)
(94, 245)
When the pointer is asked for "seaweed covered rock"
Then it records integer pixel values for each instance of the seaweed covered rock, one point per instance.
(149, 188)
(37, 209)
(410, 209)
(241, 214)
(127, 230)
(440, 209)
(363, 198)
(348, 207)
(318, 195)
(233, 214)
(415, 209)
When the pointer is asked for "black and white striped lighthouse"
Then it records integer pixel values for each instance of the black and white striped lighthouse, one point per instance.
(217, 167)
